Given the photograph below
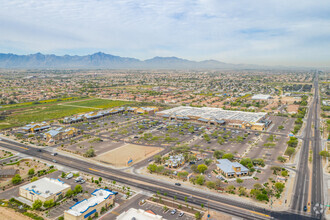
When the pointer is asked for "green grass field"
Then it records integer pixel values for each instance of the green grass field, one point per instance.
(55, 110)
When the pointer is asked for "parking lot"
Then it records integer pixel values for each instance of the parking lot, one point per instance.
(159, 211)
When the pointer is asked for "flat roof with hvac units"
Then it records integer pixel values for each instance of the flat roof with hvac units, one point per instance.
(217, 115)
(44, 189)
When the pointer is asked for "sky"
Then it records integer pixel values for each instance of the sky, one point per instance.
(281, 32)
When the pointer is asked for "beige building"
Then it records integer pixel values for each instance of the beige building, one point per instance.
(44, 189)
(89, 207)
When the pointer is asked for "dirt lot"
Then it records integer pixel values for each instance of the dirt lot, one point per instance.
(120, 156)
(10, 214)
(100, 147)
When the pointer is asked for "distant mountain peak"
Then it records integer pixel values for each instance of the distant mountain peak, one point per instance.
(102, 60)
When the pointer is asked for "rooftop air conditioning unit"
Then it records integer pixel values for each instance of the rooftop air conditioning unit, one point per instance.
(34, 186)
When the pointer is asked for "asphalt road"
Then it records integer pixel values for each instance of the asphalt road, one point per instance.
(300, 197)
(223, 204)
(317, 177)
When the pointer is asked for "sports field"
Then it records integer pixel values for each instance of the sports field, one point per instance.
(120, 156)
(22, 114)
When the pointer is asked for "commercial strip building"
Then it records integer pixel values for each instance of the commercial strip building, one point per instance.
(60, 133)
(44, 189)
(217, 116)
(261, 97)
(139, 214)
(88, 207)
(231, 169)
(34, 127)
(103, 113)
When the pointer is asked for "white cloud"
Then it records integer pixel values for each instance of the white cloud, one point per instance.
(261, 32)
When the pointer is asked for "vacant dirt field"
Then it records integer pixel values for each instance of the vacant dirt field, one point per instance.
(10, 214)
(119, 157)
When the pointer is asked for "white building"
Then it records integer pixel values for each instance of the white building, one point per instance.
(44, 189)
(139, 214)
(88, 207)
(261, 97)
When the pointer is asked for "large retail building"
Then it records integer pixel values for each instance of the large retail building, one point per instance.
(217, 116)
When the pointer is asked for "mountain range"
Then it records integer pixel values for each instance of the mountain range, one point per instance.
(107, 61)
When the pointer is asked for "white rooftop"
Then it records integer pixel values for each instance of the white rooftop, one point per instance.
(46, 187)
(138, 214)
(214, 114)
(98, 196)
(261, 96)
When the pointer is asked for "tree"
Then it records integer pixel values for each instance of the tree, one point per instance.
(194, 168)
(200, 179)
(16, 179)
(69, 193)
(208, 162)
(202, 168)
(103, 209)
(31, 172)
(210, 184)
(100, 179)
(37, 204)
(34, 179)
(242, 191)
(246, 161)
(279, 187)
(49, 203)
(78, 188)
(281, 127)
(202, 205)
(63, 175)
(152, 168)
(159, 169)
(293, 142)
(197, 215)
(262, 197)
(284, 173)
(158, 159)
(257, 186)
(207, 137)
(90, 152)
(239, 180)
(324, 153)
(281, 159)
(228, 156)
(217, 154)
(289, 151)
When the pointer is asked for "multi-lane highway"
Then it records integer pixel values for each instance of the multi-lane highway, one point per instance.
(317, 175)
(224, 204)
(301, 196)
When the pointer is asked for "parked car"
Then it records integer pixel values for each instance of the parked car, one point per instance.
(75, 199)
(181, 214)
(54, 161)
(39, 150)
(54, 154)
(178, 184)
(78, 179)
(305, 208)
(173, 211)
(69, 176)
